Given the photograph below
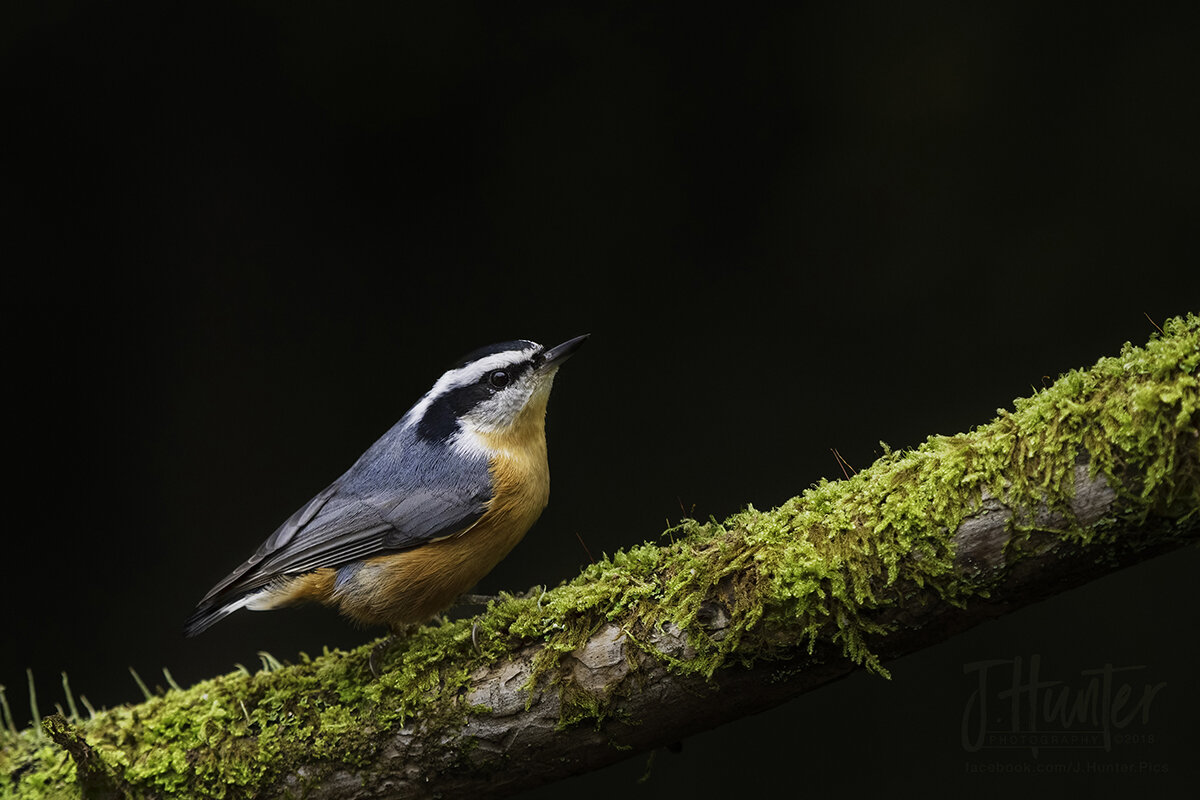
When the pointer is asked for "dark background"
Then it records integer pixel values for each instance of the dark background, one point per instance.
(242, 238)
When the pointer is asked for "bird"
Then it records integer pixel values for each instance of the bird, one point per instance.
(426, 512)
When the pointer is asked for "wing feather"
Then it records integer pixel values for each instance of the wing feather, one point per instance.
(398, 495)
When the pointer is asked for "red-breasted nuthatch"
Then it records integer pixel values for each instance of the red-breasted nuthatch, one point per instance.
(426, 512)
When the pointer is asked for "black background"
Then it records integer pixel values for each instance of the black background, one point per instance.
(242, 238)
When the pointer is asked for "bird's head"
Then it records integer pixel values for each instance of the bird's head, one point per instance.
(496, 391)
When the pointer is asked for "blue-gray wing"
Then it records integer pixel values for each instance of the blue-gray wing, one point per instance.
(393, 498)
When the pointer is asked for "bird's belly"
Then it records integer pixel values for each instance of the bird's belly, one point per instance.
(411, 586)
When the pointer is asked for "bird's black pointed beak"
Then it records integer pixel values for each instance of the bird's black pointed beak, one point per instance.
(560, 353)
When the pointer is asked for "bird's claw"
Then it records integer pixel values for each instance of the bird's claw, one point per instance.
(378, 651)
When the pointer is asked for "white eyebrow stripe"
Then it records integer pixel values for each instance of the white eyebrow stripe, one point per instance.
(463, 376)
(469, 373)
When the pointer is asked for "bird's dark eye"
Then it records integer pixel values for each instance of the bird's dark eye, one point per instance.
(498, 378)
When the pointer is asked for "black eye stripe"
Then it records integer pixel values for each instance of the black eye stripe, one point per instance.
(440, 419)
(512, 373)
(497, 378)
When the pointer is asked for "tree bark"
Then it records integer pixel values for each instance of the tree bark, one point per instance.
(1100, 471)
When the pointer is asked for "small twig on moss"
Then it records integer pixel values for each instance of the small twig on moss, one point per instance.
(843, 463)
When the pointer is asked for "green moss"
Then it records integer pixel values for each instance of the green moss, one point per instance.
(812, 567)
(39, 765)
(811, 570)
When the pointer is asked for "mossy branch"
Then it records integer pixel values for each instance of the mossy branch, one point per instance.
(717, 621)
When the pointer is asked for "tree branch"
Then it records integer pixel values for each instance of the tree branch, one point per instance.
(1099, 471)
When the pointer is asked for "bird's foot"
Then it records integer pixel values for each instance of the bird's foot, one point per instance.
(379, 651)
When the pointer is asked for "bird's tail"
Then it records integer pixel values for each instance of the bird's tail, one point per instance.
(210, 612)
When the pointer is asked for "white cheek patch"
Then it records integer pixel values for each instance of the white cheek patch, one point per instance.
(501, 411)
(498, 412)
